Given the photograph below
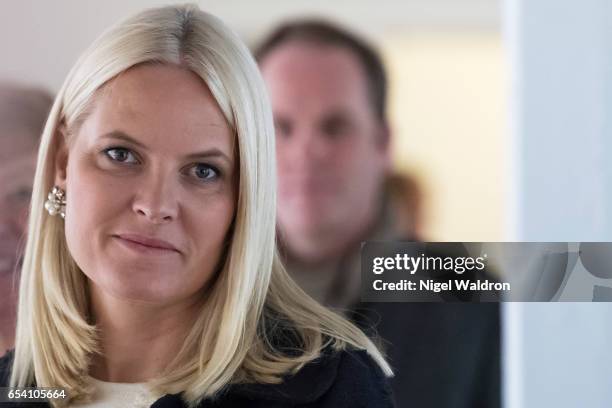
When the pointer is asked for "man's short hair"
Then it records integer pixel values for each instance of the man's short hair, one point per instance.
(321, 32)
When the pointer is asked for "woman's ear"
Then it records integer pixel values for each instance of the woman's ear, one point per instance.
(61, 157)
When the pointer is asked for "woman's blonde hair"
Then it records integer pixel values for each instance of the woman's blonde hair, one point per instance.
(253, 302)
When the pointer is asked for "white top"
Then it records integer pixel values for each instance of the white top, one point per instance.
(119, 395)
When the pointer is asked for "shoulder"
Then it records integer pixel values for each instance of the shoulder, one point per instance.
(6, 363)
(344, 378)
(359, 382)
(337, 379)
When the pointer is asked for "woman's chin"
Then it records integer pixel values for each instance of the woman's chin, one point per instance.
(151, 290)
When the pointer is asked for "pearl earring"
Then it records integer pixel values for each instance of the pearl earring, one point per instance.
(56, 202)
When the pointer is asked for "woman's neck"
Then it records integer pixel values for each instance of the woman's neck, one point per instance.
(137, 339)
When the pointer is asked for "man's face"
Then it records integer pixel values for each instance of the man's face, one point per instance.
(331, 147)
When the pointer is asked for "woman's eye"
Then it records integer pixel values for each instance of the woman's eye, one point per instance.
(205, 172)
(121, 155)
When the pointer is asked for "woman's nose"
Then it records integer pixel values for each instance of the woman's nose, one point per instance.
(156, 200)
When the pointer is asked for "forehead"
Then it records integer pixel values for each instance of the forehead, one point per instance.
(158, 104)
(307, 75)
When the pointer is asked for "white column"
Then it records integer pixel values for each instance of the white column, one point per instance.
(560, 70)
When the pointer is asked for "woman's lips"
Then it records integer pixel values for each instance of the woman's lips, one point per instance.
(144, 248)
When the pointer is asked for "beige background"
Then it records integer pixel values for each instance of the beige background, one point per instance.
(448, 111)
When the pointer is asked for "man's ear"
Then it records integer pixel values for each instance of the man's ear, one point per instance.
(61, 157)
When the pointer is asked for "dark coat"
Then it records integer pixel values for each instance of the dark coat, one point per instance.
(337, 379)
(444, 355)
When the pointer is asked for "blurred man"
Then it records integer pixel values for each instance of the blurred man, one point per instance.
(23, 113)
(332, 151)
(328, 92)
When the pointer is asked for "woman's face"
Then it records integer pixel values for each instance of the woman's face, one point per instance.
(151, 186)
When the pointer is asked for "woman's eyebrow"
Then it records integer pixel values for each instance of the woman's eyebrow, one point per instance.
(213, 152)
(120, 135)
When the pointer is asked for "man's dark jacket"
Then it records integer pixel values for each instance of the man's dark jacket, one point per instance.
(444, 355)
(336, 380)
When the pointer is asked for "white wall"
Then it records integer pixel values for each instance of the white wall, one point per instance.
(560, 59)
(40, 40)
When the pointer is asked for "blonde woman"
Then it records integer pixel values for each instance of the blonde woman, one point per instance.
(150, 276)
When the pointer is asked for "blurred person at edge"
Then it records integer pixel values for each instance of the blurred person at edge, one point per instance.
(328, 92)
(23, 112)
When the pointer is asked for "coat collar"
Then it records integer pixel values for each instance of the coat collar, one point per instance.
(304, 387)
